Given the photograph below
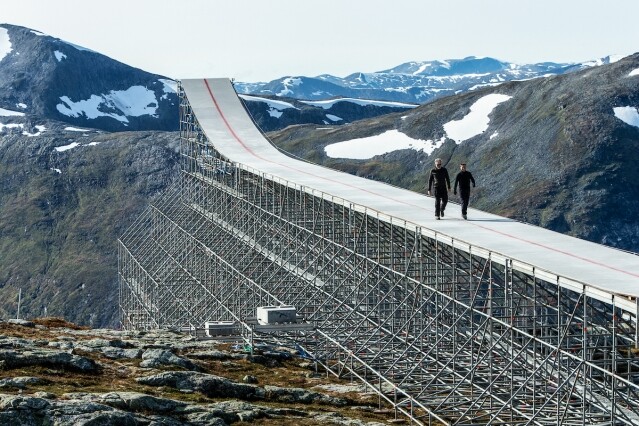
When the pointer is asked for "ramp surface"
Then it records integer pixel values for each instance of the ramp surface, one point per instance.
(223, 118)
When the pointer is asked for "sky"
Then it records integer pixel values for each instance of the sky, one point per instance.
(258, 40)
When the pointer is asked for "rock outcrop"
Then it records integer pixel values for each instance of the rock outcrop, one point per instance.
(52, 373)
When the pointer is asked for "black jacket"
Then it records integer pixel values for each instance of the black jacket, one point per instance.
(440, 179)
(464, 179)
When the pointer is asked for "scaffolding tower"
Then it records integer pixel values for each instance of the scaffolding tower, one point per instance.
(443, 331)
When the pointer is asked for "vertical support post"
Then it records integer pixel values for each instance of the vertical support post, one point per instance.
(19, 302)
(636, 322)
(558, 349)
(534, 329)
(613, 348)
(492, 331)
(584, 355)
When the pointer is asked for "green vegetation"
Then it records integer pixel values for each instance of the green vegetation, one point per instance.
(59, 230)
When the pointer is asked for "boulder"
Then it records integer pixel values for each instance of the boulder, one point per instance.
(48, 358)
(207, 384)
(153, 358)
(24, 323)
(21, 382)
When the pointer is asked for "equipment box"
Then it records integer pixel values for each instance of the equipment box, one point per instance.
(276, 314)
(220, 328)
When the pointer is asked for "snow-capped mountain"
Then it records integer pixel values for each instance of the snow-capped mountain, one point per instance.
(272, 113)
(45, 77)
(411, 82)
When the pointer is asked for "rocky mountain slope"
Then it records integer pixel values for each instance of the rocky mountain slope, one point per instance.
(66, 197)
(559, 151)
(57, 373)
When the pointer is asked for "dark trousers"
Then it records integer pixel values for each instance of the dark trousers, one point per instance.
(441, 199)
(465, 197)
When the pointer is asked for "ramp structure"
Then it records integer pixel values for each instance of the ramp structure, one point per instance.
(486, 321)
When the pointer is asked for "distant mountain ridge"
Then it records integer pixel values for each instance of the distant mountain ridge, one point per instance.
(412, 82)
(272, 113)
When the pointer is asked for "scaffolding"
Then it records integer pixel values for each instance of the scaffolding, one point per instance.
(443, 331)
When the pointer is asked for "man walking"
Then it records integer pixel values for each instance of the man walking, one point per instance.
(464, 178)
(440, 180)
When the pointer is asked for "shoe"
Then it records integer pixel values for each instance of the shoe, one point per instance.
(442, 213)
(437, 217)
(465, 217)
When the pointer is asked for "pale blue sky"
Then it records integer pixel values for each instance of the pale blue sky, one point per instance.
(260, 40)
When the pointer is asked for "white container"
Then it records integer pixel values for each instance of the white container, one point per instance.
(276, 314)
(220, 328)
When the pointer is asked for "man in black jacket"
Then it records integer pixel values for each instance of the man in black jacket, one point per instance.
(464, 178)
(440, 180)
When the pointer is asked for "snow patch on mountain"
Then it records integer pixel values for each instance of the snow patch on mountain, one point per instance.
(84, 49)
(289, 84)
(627, 114)
(11, 126)
(292, 81)
(169, 87)
(5, 43)
(389, 141)
(9, 113)
(59, 55)
(40, 130)
(66, 147)
(278, 105)
(421, 69)
(76, 129)
(274, 107)
(634, 72)
(133, 102)
(476, 121)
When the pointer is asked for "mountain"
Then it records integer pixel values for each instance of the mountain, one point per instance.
(66, 197)
(558, 151)
(272, 113)
(72, 183)
(411, 82)
(291, 100)
(49, 78)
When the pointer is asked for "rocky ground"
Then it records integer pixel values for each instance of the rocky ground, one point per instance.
(55, 373)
